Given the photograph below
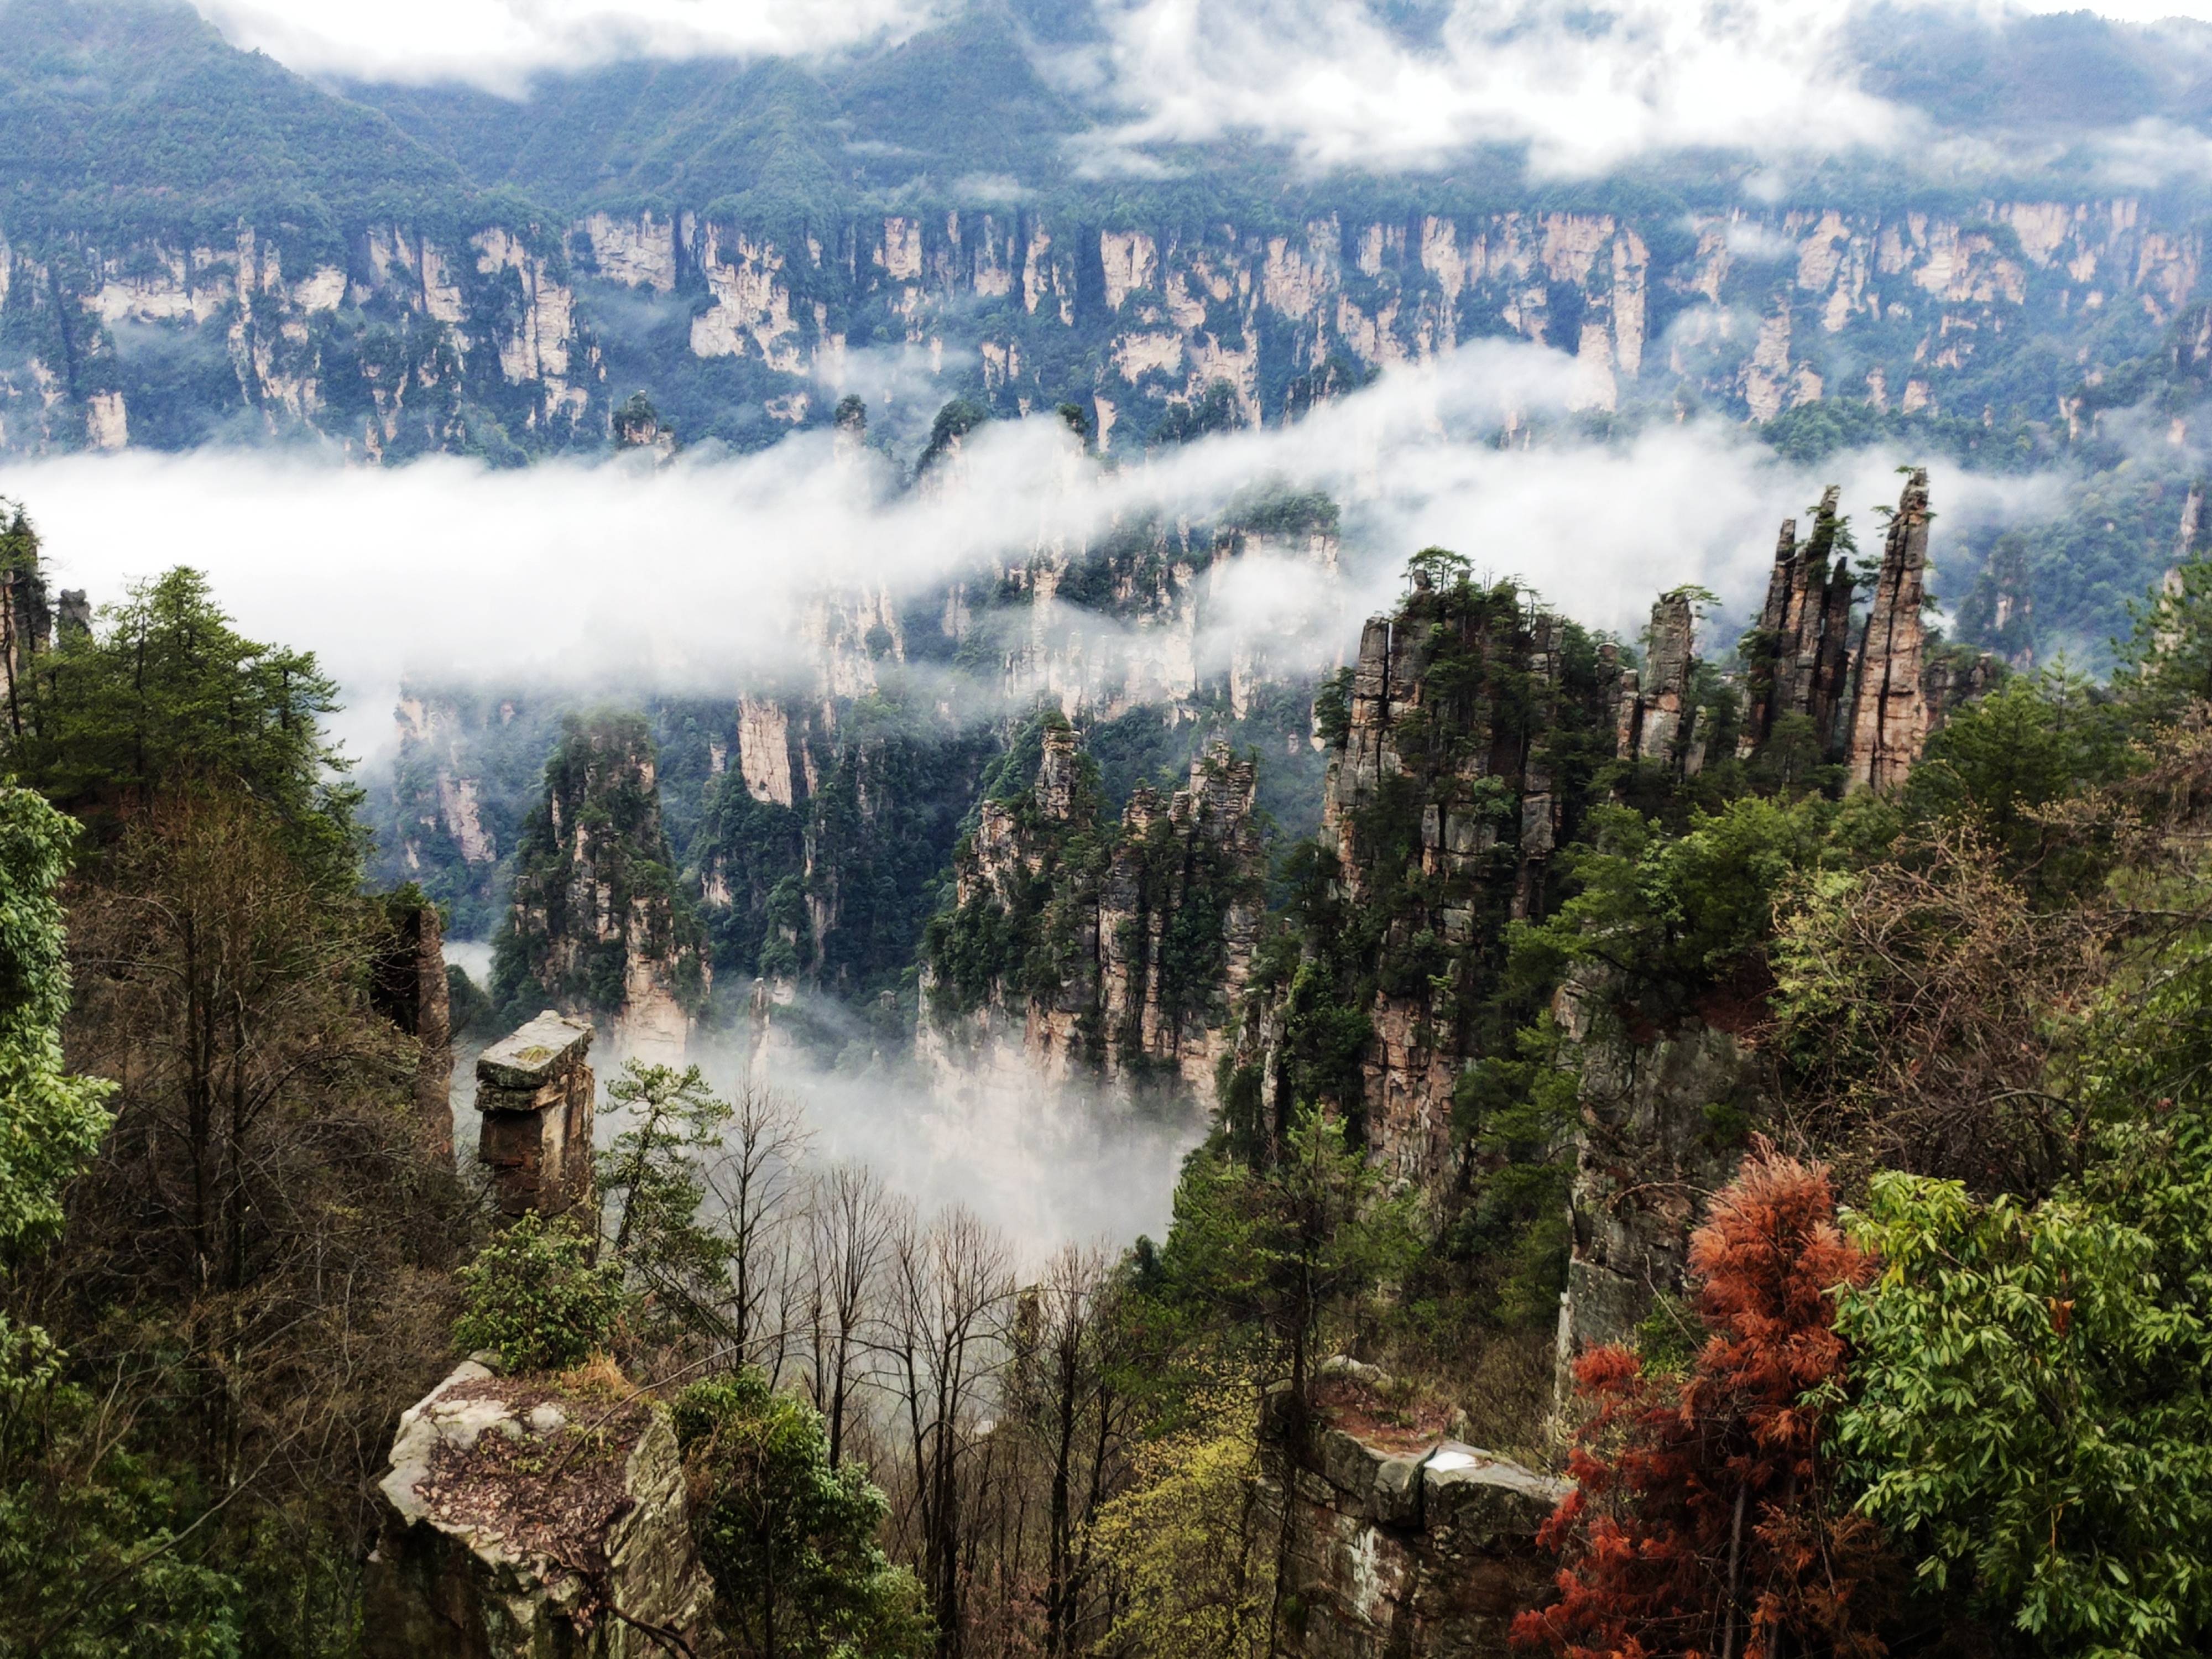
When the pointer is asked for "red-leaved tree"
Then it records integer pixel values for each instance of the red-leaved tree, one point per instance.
(1704, 1523)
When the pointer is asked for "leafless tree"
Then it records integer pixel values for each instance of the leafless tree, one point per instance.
(850, 1217)
(942, 1347)
(754, 1186)
(1068, 1374)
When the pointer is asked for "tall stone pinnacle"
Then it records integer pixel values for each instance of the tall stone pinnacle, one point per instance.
(1889, 715)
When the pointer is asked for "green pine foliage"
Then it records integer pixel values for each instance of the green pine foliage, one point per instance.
(789, 1539)
(164, 694)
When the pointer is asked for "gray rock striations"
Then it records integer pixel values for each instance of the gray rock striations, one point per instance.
(1087, 948)
(1889, 711)
(598, 924)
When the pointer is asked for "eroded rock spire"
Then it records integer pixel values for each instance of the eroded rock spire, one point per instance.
(1889, 715)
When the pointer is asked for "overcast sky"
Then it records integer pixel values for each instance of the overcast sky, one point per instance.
(1320, 76)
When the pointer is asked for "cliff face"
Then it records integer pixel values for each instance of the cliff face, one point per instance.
(1081, 947)
(1470, 729)
(1400, 1542)
(597, 922)
(485, 342)
(810, 813)
(1889, 715)
(467, 768)
(407, 984)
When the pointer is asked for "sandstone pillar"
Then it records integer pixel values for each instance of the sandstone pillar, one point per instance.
(1651, 727)
(1889, 711)
(534, 1089)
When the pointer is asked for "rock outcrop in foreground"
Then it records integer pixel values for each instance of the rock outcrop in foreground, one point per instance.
(1400, 1543)
(523, 1518)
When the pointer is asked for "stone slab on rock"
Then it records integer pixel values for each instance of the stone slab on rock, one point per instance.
(528, 1059)
(535, 1091)
(523, 1519)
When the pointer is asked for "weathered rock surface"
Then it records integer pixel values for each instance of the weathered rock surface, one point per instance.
(1653, 703)
(600, 924)
(524, 1520)
(1661, 1117)
(1114, 951)
(1422, 1549)
(535, 1090)
(407, 984)
(1889, 715)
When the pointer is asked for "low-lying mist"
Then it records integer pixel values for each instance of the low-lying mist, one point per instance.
(698, 576)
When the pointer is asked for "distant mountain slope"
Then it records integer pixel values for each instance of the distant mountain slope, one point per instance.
(134, 118)
(962, 100)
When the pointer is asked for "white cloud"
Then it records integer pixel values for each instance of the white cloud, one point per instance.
(702, 575)
(1586, 85)
(499, 44)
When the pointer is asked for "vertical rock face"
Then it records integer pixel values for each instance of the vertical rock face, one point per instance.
(520, 1520)
(1798, 657)
(1645, 1154)
(1104, 949)
(466, 770)
(1889, 715)
(26, 622)
(534, 1088)
(1401, 1544)
(407, 984)
(1651, 725)
(1473, 723)
(598, 923)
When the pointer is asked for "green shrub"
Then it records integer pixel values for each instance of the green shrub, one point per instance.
(538, 1298)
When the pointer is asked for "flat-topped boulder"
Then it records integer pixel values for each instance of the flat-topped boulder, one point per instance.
(536, 1054)
(535, 1089)
(1402, 1541)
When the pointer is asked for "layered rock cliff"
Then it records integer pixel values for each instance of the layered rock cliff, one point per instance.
(1079, 947)
(391, 337)
(598, 924)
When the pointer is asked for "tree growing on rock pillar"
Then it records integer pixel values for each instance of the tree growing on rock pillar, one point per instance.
(1705, 1520)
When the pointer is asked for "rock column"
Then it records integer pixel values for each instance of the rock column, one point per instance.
(408, 986)
(1889, 716)
(1801, 653)
(1650, 725)
(534, 1089)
